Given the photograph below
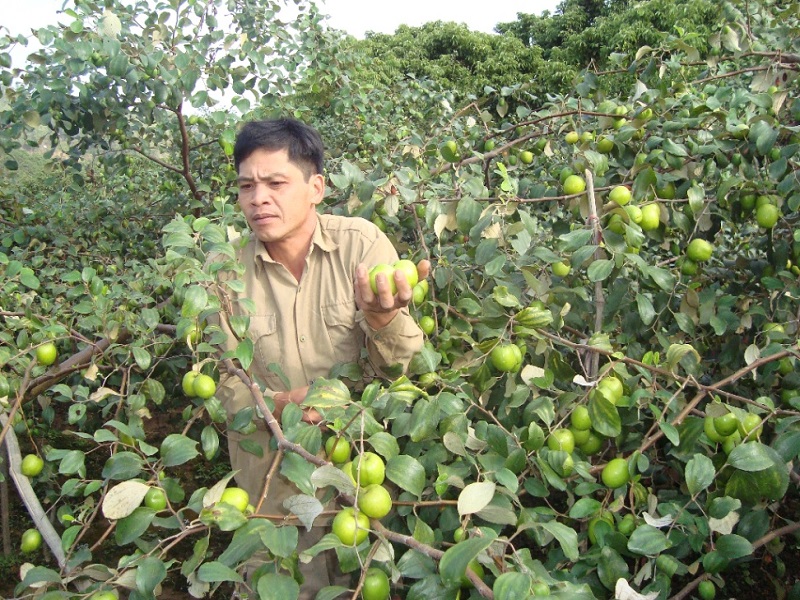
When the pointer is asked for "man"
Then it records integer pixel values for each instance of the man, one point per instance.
(307, 275)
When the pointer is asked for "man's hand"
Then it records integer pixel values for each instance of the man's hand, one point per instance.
(379, 309)
(296, 396)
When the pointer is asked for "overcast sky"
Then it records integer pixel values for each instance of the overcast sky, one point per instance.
(353, 16)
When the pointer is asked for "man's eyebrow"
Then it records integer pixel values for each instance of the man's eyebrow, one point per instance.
(267, 177)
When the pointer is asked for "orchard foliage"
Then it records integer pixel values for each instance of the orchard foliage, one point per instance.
(679, 370)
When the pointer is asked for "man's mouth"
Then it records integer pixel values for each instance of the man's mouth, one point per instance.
(263, 218)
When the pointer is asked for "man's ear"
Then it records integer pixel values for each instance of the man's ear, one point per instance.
(317, 188)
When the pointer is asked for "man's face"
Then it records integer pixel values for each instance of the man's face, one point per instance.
(276, 199)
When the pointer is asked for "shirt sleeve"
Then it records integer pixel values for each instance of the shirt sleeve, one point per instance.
(391, 348)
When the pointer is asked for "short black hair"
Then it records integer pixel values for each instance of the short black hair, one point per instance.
(302, 142)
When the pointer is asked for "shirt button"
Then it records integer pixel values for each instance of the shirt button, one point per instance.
(302, 338)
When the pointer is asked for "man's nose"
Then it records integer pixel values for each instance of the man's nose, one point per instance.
(261, 193)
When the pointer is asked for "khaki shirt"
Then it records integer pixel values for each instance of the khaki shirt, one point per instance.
(304, 328)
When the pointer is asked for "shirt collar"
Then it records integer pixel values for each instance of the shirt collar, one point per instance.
(320, 238)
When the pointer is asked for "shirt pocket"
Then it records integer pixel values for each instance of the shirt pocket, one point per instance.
(264, 333)
(342, 330)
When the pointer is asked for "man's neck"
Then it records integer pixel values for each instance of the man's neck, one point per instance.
(292, 253)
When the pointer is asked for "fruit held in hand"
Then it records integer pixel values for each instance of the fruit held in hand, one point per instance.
(349, 528)
(388, 271)
(31, 465)
(409, 269)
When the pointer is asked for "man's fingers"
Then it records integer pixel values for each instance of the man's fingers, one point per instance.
(424, 269)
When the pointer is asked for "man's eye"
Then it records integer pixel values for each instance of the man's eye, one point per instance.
(246, 187)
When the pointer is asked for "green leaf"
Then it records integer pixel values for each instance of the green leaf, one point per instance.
(751, 456)
(177, 449)
(150, 572)
(40, 575)
(298, 470)
(281, 541)
(209, 441)
(327, 393)
(646, 311)
(583, 508)
(676, 352)
(475, 497)
(647, 541)
(763, 135)
(134, 525)
(599, 270)
(567, 537)
(246, 541)
(407, 472)
(605, 416)
(28, 279)
(385, 444)
(195, 301)
(273, 586)
(214, 572)
(142, 357)
(454, 562)
(244, 353)
(122, 465)
(512, 586)
(611, 567)
(733, 546)
(468, 212)
(699, 473)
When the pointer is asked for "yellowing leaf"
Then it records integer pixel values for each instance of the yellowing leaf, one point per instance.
(123, 499)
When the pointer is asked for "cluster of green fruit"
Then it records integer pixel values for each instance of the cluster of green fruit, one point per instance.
(198, 385)
(646, 216)
(580, 434)
(698, 251)
(729, 431)
(766, 208)
(373, 501)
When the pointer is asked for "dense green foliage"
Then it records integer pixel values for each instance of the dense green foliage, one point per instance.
(584, 32)
(118, 186)
(460, 60)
